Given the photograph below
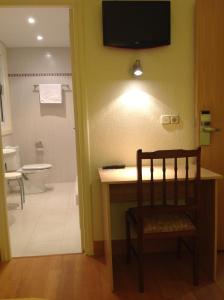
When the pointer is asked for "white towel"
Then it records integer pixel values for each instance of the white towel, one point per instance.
(50, 93)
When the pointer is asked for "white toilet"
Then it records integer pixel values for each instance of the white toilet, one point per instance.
(35, 175)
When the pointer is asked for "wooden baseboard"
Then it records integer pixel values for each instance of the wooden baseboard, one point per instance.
(118, 246)
(98, 248)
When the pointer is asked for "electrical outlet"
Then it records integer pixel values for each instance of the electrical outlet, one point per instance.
(174, 119)
(165, 119)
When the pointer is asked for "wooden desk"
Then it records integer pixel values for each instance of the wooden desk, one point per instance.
(119, 186)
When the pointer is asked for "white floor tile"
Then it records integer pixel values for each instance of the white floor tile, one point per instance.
(48, 224)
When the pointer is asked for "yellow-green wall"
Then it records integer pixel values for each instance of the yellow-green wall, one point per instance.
(124, 112)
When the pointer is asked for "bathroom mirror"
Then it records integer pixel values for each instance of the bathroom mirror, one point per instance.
(5, 110)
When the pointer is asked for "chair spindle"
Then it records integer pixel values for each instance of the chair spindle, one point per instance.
(152, 183)
(175, 182)
(164, 181)
(186, 179)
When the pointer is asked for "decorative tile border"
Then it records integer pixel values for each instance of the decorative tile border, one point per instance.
(39, 74)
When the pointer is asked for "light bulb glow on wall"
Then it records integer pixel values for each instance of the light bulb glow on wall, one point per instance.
(134, 98)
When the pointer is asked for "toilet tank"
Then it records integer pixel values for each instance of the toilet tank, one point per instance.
(12, 160)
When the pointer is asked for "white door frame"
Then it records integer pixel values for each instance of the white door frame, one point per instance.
(81, 124)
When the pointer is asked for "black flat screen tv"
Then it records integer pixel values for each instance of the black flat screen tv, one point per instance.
(136, 24)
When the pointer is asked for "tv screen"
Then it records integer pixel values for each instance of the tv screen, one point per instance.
(136, 24)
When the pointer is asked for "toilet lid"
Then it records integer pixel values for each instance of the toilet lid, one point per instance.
(37, 167)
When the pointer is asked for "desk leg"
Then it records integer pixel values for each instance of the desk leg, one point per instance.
(107, 234)
(208, 230)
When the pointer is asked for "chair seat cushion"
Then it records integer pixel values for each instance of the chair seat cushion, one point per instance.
(167, 223)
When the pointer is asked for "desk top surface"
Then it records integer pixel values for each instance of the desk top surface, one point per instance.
(129, 174)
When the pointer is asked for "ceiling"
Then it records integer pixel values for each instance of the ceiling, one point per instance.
(51, 23)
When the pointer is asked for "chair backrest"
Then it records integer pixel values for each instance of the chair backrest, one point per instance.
(177, 184)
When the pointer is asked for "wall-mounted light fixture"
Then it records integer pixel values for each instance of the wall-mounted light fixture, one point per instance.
(31, 20)
(40, 38)
(137, 69)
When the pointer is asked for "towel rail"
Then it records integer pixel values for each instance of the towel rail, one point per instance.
(65, 88)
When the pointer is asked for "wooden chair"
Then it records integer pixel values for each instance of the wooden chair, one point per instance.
(171, 213)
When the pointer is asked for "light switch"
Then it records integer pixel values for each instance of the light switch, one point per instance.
(169, 119)
(175, 119)
(165, 119)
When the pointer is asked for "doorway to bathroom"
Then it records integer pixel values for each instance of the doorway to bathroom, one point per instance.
(39, 143)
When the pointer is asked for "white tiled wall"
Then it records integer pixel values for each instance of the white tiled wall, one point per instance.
(52, 124)
(7, 140)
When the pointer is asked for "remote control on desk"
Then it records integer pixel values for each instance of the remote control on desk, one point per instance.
(113, 167)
